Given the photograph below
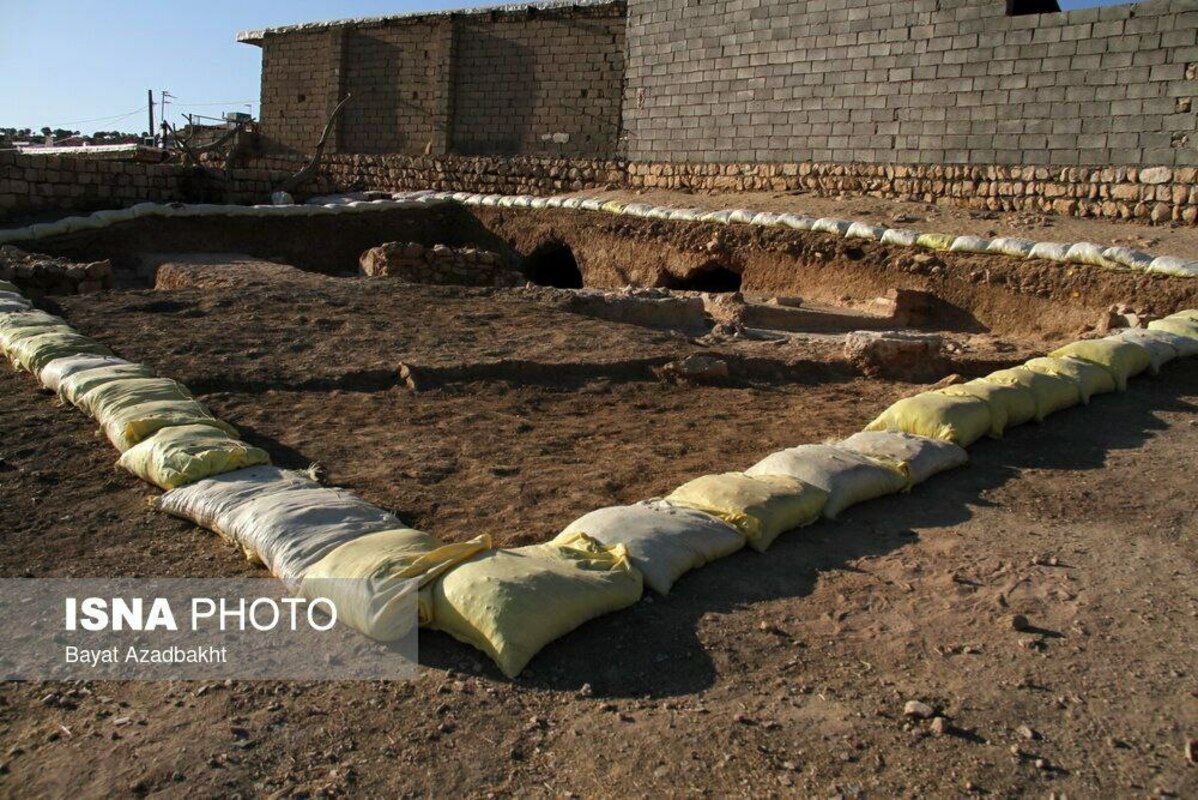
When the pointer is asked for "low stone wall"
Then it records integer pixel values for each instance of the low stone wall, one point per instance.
(439, 264)
(41, 275)
(30, 184)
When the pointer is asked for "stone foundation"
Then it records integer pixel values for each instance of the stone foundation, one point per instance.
(438, 264)
(40, 275)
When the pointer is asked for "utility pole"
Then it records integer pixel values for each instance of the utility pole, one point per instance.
(165, 94)
(150, 97)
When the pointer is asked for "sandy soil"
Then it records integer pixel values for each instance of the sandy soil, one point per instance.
(757, 676)
(1169, 240)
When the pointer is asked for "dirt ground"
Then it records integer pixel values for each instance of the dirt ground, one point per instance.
(774, 675)
(1165, 240)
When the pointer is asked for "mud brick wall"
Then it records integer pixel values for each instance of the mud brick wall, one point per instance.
(911, 82)
(529, 84)
(301, 79)
(505, 82)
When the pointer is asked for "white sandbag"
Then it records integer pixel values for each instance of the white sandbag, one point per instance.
(540, 202)
(924, 457)
(1127, 257)
(490, 200)
(832, 225)
(742, 215)
(112, 216)
(847, 476)
(282, 520)
(637, 209)
(12, 307)
(53, 374)
(15, 301)
(591, 204)
(664, 540)
(864, 230)
(1086, 253)
(1176, 267)
(764, 218)
(660, 212)
(1160, 351)
(684, 214)
(969, 244)
(506, 201)
(900, 237)
(554, 202)
(572, 202)
(1050, 251)
(45, 230)
(798, 222)
(523, 201)
(1009, 246)
(720, 217)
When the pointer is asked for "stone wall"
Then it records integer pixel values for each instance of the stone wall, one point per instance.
(514, 81)
(30, 184)
(439, 264)
(927, 82)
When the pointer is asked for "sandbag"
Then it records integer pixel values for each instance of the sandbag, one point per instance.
(1184, 345)
(1052, 392)
(281, 519)
(1122, 359)
(922, 456)
(798, 222)
(1127, 257)
(1009, 405)
(970, 244)
(864, 230)
(832, 225)
(962, 420)
(1010, 246)
(34, 352)
(23, 324)
(53, 374)
(664, 540)
(762, 507)
(765, 218)
(1050, 251)
(1189, 314)
(1160, 352)
(371, 579)
(935, 241)
(1178, 326)
(741, 215)
(1086, 253)
(14, 306)
(129, 425)
(184, 454)
(901, 237)
(6, 286)
(1091, 379)
(14, 301)
(847, 477)
(511, 603)
(74, 387)
(1171, 265)
(99, 401)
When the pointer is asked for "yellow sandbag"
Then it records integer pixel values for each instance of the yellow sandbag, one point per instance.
(762, 507)
(128, 425)
(74, 388)
(963, 420)
(1122, 359)
(372, 578)
(935, 241)
(98, 401)
(1091, 378)
(17, 327)
(1052, 392)
(1009, 405)
(511, 603)
(184, 454)
(1189, 314)
(34, 352)
(1177, 325)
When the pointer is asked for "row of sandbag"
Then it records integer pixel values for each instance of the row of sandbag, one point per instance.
(102, 219)
(1067, 377)
(1118, 258)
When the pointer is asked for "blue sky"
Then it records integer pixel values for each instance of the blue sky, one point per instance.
(86, 64)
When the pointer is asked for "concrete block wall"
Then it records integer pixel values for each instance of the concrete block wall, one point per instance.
(536, 85)
(911, 82)
(301, 75)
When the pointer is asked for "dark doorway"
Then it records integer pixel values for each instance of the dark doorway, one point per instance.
(553, 264)
(709, 278)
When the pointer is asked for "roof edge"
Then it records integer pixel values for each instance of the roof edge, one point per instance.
(256, 36)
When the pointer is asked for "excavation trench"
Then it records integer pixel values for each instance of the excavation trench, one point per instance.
(572, 249)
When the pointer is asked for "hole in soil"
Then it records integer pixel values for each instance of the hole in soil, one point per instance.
(708, 278)
(553, 264)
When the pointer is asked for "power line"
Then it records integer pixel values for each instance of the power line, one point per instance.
(113, 118)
